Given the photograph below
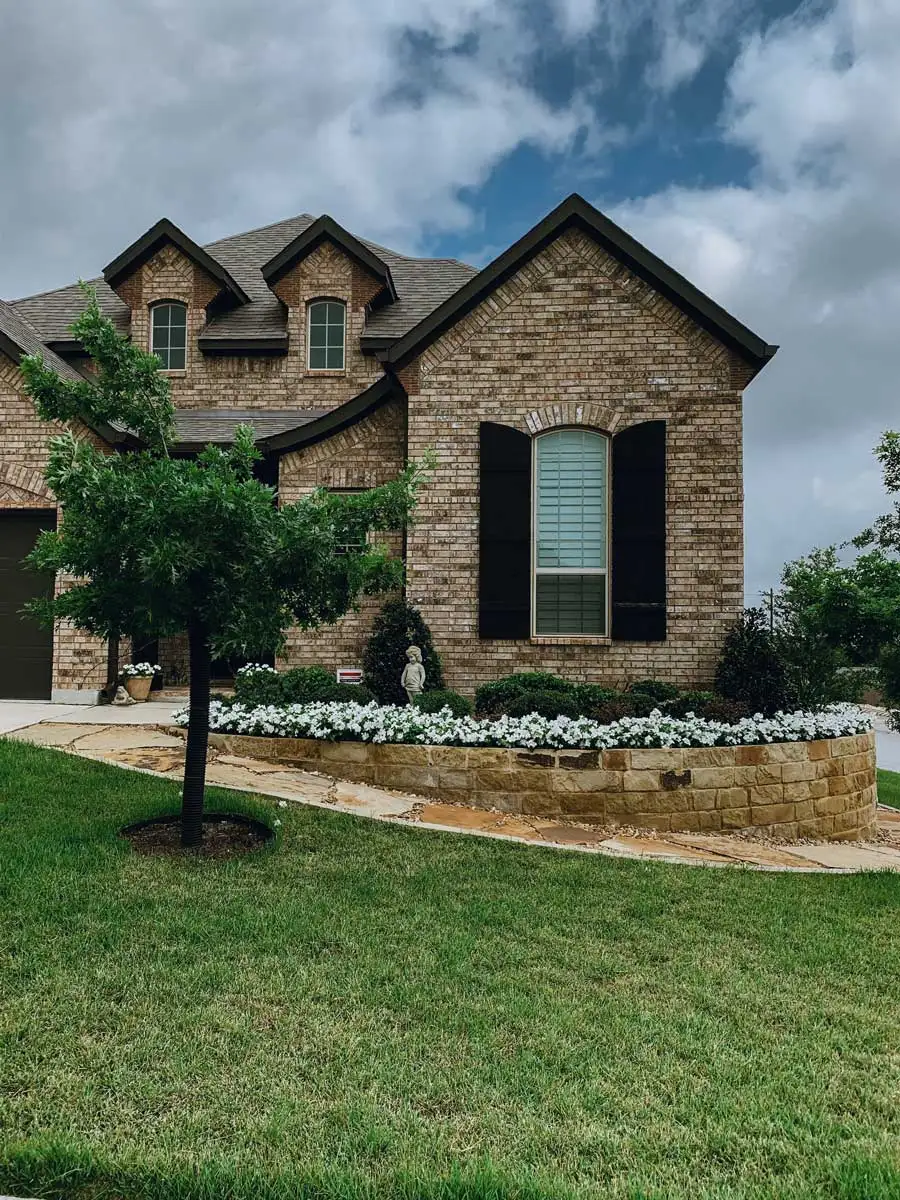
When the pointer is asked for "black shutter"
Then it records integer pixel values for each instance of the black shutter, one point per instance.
(504, 564)
(639, 533)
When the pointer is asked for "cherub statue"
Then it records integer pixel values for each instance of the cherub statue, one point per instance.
(413, 678)
(121, 697)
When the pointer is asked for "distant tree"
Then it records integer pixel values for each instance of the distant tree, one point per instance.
(165, 545)
(884, 533)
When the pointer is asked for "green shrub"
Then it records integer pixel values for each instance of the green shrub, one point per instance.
(432, 702)
(751, 671)
(493, 699)
(691, 701)
(257, 687)
(614, 709)
(889, 674)
(545, 703)
(727, 711)
(590, 696)
(655, 689)
(300, 685)
(397, 627)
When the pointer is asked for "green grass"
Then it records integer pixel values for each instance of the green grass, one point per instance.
(366, 1010)
(889, 788)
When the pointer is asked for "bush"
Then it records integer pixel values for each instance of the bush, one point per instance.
(547, 703)
(260, 685)
(432, 702)
(397, 627)
(493, 699)
(655, 689)
(614, 709)
(692, 701)
(751, 671)
(889, 674)
(729, 712)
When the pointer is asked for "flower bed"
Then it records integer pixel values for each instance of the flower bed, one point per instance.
(408, 725)
(795, 775)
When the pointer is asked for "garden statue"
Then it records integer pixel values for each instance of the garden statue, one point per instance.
(122, 697)
(413, 678)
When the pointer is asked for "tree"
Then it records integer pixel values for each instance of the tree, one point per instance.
(884, 533)
(168, 544)
(751, 670)
(397, 627)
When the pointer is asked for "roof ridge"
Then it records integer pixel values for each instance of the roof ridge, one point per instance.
(257, 229)
(65, 287)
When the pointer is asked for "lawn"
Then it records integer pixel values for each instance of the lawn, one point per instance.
(367, 1010)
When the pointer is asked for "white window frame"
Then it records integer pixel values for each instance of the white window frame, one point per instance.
(536, 570)
(156, 307)
(309, 307)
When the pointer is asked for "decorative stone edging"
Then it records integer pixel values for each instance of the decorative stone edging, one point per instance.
(787, 790)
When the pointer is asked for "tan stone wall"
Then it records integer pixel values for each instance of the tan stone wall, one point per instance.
(367, 454)
(574, 338)
(823, 790)
(277, 382)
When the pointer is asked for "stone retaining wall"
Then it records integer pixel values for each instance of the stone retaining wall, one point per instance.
(823, 789)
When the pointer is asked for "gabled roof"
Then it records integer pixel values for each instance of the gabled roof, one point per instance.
(261, 325)
(575, 212)
(18, 338)
(157, 236)
(321, 230)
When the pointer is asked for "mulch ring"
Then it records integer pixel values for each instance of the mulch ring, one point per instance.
(225, 835)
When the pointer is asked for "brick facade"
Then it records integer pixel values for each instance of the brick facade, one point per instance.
(574, 339)
(571, 338)
(275, 382)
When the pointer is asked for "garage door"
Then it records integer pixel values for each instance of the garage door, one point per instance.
(26, 648)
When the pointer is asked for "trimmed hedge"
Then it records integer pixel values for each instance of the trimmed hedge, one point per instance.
(432, 702)
(300, 685)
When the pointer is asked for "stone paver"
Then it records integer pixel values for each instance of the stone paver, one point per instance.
(140, 746)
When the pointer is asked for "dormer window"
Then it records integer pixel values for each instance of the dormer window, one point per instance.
(168, 334)
(327, 321)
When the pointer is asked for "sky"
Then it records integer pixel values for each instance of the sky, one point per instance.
(752, 144)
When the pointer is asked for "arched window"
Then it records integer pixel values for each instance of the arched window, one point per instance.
(325, 341)
(168, 334)
(570, 554)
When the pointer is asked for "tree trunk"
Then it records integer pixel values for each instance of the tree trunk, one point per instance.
(112, 667)
(197, 738)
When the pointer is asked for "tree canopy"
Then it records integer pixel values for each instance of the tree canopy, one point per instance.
(163, 544)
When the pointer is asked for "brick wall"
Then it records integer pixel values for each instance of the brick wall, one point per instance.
(277, 382)
(574, 338)
(367, 454)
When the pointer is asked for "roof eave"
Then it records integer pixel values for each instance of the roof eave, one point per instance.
(146, 246)
(336, 419)
(576, 212)
(325, 228)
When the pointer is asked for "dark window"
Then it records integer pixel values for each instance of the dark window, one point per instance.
(169, 335)
(327, 319)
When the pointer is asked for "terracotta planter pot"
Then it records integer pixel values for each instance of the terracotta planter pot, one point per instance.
(138, 686)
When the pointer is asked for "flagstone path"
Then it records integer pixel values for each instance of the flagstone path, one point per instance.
(159, 750)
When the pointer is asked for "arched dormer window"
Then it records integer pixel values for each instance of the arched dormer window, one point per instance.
(168, 334)
(571, 532)
(326, 335)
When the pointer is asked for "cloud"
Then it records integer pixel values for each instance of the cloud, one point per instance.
(807, 254)
(224, 116)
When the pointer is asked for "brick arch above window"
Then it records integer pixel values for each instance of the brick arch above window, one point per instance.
(570, 412)
(23, 483)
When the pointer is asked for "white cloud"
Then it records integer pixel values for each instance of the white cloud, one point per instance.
(807, 254)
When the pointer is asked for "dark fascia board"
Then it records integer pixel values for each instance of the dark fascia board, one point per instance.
(268, 346)
(375, 345)
(325, 228)
(147, 245)
(110, 435)
(384, 389)
(576, 212)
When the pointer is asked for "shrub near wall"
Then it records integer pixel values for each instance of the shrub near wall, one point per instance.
(821, 789)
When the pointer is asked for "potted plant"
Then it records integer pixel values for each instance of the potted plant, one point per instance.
(138, 678)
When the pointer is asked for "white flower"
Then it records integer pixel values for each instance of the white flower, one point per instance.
(276, 822)
(390, 724)
(140, 670)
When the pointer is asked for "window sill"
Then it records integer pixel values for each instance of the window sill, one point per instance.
(324, 371)
(173, 374)
(569, 639)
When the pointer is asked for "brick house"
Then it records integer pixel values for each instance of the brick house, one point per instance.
(583, 398)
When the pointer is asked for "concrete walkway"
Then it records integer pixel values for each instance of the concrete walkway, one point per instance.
(142, 738)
